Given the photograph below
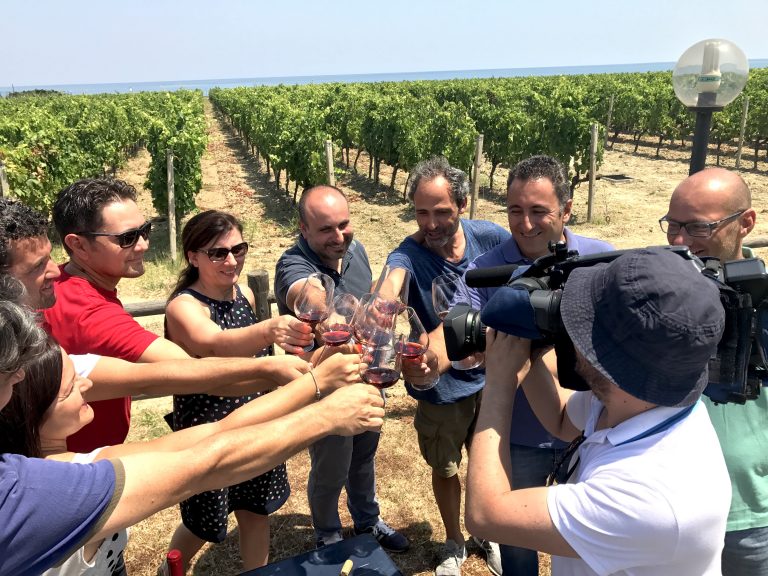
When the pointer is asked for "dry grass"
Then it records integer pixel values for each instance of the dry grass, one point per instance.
(624, 214)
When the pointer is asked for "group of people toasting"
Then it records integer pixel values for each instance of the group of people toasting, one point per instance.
(629, 444)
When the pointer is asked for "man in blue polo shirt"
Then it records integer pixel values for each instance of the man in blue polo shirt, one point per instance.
(326, 245)
(538, 207)
(446, 413)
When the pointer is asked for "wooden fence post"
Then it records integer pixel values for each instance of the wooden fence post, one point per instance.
(171, 206)
(258, 282)
(329, 162)
(476, 174)
(5, 190)
(592, 167)
(744, 113)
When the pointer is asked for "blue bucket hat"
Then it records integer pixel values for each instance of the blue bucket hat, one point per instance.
(649, 321)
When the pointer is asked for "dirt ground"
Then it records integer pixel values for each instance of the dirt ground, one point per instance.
(624, 214)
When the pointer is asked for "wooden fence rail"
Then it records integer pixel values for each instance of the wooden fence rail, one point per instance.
(258, 281)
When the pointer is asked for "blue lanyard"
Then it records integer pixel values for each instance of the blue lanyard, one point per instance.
(661, 426)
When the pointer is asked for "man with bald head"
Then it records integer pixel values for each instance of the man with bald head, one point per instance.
(711, 213)
(326, 244)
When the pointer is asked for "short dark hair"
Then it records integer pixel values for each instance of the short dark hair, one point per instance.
(78, 208)
(27, 410)
(200, 230)
(543, 166)
(17, 222)
(302, 207)
(435, 167)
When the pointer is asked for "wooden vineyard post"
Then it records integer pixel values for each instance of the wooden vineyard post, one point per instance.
(329, 162)
(744, 113)
(258, 282)
(5, 189)
(171, 206)
(476, 174)
(592, 165)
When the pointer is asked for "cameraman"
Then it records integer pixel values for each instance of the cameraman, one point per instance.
(646, 491)
(711, 213)
(538, 208)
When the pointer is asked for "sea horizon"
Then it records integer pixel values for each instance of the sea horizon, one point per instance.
(206, 85)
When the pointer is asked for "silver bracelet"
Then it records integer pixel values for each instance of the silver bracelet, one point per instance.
(317, 388)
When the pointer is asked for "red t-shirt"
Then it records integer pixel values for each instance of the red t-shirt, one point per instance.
(87, 319)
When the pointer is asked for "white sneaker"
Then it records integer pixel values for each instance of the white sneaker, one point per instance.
(492, 555)
(452, 557)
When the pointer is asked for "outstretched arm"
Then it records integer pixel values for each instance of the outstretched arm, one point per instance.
(115, 378)
(337, 371)
(156, 480)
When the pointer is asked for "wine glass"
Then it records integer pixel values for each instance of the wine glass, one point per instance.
(314, 301)
(392, 288)
(447, 291)
(372, 323)
(415, 339)
(444, 290)
(382, 364)
(336, 329)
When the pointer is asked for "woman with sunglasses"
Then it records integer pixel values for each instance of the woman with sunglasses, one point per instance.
(209, 314)
(50, 404)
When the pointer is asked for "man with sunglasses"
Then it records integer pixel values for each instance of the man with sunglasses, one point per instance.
(711, 213)
(106, 237)
(646, 491)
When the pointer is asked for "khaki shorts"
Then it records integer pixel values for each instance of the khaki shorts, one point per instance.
(443, 429)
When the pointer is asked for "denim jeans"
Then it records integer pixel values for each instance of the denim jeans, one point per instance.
(339, 462)
(530, 467)
(746, 552)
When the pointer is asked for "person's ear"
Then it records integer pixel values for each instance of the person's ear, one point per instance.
(78, 246)
(567, 211)
(462, 206)
(747, 222)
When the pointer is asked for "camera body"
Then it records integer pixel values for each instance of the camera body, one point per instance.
(527, 304)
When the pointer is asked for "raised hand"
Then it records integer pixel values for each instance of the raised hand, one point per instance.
(336, 371)
(290, 333)
(285, 368)
(354, 409)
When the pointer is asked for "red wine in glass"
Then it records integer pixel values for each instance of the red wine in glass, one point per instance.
(312, 318)
(337, 334)
(389, 307)
(410, 350)
(381, 377)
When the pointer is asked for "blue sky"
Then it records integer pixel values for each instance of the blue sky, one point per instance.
(47, 42)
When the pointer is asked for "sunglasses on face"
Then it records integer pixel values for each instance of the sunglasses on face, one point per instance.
(221, 254)
(128, 238)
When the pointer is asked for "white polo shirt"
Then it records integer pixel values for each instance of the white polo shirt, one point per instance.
(643, 506)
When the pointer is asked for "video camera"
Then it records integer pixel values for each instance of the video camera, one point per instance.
(527, 304)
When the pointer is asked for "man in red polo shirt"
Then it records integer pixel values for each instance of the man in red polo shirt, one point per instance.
(106, 236)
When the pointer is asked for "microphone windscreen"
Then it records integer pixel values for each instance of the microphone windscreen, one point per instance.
(509, 310)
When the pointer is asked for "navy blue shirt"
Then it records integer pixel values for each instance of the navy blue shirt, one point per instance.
(425, 266)
(300, 261)
(50, 509)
